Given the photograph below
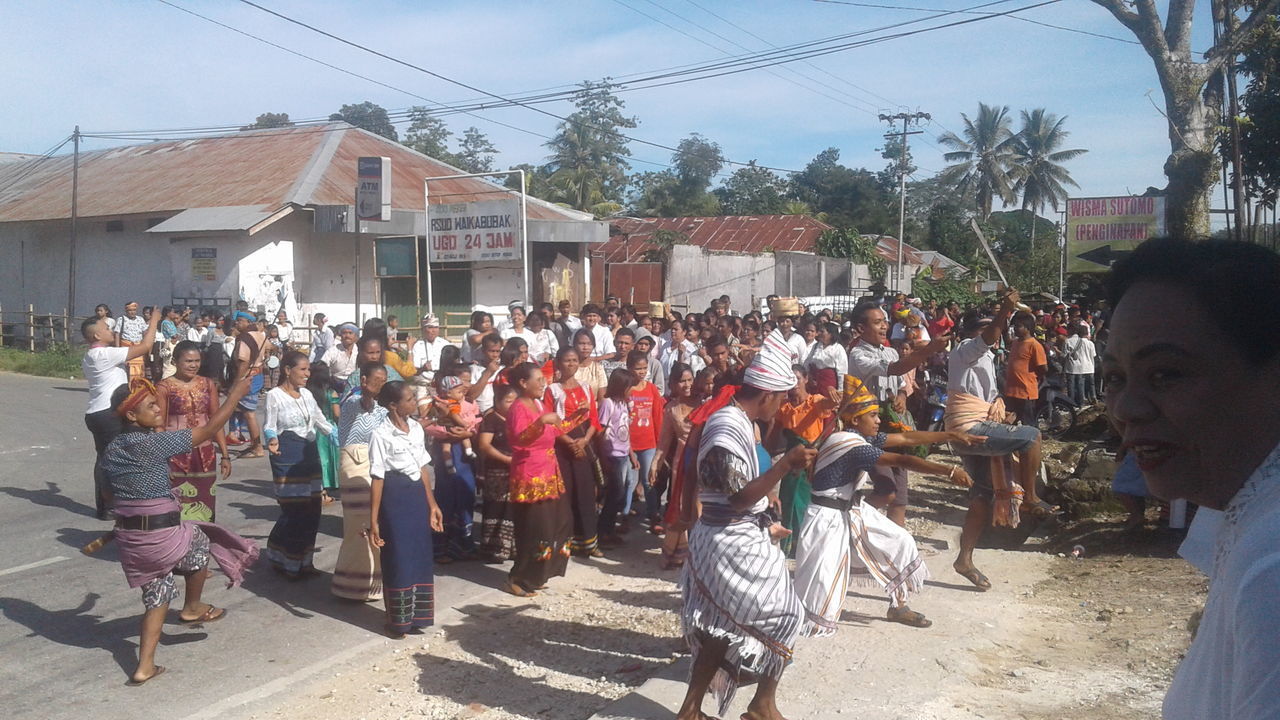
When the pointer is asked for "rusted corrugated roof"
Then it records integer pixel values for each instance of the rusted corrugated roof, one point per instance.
(270, 168)
(630, 238)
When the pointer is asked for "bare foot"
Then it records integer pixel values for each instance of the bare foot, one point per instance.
(141, 676)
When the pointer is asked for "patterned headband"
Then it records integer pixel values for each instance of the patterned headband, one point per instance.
(139, 390)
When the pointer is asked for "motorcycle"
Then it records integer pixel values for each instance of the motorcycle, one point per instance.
(1056, 411)
(935, 403)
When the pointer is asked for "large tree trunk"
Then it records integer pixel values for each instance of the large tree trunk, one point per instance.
(1192, 97)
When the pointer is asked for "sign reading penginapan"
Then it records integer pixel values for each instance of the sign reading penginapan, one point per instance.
(484, 231)
(1100, 230)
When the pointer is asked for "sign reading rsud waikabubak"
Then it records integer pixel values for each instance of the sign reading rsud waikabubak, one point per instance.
(484, 231)
(1101, 230)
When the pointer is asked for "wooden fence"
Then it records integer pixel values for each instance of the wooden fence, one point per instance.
(31, 330)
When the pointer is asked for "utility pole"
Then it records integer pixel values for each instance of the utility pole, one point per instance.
(906, 119)
(75, 196)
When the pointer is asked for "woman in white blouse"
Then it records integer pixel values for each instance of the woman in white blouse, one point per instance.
(404, 512)
(292, 421)
(544, 345)
(828, 361)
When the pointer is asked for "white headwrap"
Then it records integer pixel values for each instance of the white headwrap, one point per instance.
(770, 369)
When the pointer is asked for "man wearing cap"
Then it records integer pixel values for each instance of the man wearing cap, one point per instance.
(973, 406)
(343, 357)
(426, 356)
(741, 613)
(880, 368)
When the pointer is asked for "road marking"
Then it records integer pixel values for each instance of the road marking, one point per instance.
(31, 566)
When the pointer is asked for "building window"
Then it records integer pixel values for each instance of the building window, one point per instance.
(115, 226)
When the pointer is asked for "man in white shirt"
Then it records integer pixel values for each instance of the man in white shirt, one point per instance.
(880, 368)
(343, 358)
(426, 352)
(105, 367)
(604, 338)
(321, 338)
(1078, 364)
(482, 376)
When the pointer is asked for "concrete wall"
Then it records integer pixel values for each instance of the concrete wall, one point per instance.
(696, 277)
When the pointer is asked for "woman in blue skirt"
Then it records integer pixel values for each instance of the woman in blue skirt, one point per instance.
(404, 512)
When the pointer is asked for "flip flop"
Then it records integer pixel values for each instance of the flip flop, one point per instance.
(139, 683)
(910, 617)
(212, 614)
(975, 576)
(1039, 509)
(518, 591)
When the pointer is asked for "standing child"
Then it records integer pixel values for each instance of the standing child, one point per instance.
(497, 531)
(615, 445)
(320, 386)
(647, 405)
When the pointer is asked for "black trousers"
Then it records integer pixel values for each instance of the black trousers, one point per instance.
(104, 425)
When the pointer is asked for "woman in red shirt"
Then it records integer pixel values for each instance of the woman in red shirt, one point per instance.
(574, 451)
(647, 405)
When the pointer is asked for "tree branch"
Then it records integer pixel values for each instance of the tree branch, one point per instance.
(1228, 45)
(1126, 17)
(1177, 28)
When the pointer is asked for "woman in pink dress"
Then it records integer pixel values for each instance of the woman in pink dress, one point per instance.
(543, 521)
(187, 400)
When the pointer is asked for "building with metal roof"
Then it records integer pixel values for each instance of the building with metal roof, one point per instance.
(265, 216)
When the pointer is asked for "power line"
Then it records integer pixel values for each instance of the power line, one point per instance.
(1015, 17)
(24, 170)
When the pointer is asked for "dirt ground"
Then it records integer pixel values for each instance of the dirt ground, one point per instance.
(1057, 638)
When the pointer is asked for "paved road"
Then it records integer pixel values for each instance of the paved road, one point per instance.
(70, 629)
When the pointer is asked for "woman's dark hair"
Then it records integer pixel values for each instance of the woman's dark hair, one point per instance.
(366, 370)
(450, 355)
(522, 373)
(625, 331)
(515, 343)
(634, 357)
(392, 393)
(678, 369)
(102, 306)
(565, 351)
(541, 315)
(500, 392)
(1220, 274)
(477, 317)
(375, 328)
(801, 370)
(319, 382)
(584, 333)
(620, 384)
(510, 353)
(831, 329)
(291, 359)
(186, 346)
(365, 340)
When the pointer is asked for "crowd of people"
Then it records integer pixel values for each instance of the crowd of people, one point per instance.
(739, 440)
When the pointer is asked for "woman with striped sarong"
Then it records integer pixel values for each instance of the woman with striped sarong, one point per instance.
(741, 615)
(357, 575)
(292, 423)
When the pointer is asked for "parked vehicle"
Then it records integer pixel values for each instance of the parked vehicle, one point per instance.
(1056, 412)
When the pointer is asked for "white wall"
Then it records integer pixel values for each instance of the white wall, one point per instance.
(497, 283)
(695, 277)
(324, 275)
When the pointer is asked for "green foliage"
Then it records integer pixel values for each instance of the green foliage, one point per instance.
(475, 152)
(537, 181)
(754, 190)
(945, 291)
(983, 154)
(1260, 107)
(270, 120)
(588, 162)
(61, 361)
(368, 116)
(848, 243)
(1038, 158)
(664, 240)
(430, 136)
(849, 198)
(683, 190)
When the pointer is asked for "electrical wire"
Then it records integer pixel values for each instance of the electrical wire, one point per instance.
(1014, 17)
(28, 167)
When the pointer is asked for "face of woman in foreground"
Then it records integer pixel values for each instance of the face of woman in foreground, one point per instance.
(1186, 401)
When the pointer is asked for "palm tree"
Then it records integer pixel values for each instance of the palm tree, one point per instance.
(1038, 174)
(983, 157)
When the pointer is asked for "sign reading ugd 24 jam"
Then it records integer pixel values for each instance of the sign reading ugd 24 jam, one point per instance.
(1101, 230)
(475, 232)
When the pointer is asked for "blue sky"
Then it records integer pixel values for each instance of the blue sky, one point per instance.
(139, 64)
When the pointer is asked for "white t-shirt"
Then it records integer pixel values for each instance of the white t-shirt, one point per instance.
(1079, 356)
(604, 341)
(799, 349)
(526, 334)
(971, 369)
(428, 352)
(104, 368)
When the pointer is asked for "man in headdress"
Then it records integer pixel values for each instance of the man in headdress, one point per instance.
(741, 615)
(841, 530)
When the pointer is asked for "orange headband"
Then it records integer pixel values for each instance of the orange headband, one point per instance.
(139, 389)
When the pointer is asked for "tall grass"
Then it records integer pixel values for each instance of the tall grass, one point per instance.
(60, 361)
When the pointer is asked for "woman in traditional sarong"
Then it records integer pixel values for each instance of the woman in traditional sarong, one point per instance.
(404, 512)
(188, 400)
(153, 541)
(828, 361)
(497, 531)
(293, 421)
(543, 521)
(358, 573)
(575, 453)
(671, 452)
(841, 530)
(741, 615)
(801, 419)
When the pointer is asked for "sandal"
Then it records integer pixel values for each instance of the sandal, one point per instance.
(907, 616)
(518, 591)
(976, 577)
(139, 683)
(1039, 509)
(211, 614)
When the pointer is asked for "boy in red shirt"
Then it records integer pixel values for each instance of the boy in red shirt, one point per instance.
(647, 405)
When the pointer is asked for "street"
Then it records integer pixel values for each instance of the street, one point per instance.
(71, 622)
